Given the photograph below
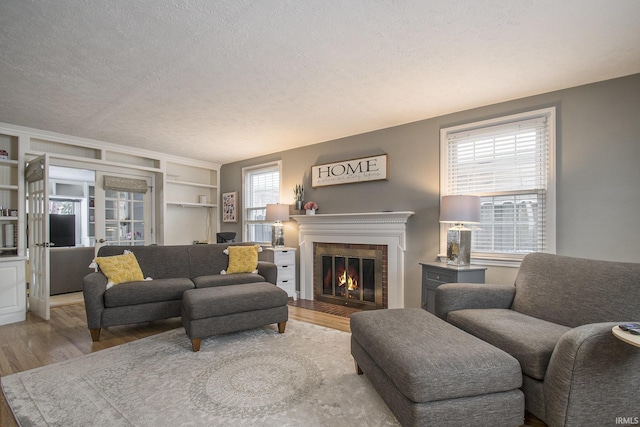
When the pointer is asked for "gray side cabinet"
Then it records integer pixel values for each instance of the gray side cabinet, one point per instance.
(435, 274)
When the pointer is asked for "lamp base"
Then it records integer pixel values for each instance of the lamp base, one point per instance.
(277, 234)
(459, 245)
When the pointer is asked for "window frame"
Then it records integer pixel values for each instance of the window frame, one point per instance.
(506, 258)
(245, 209)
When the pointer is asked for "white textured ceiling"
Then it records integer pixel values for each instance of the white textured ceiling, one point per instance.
(229, 80)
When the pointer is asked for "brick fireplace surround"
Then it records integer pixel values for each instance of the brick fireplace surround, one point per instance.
(375, 228)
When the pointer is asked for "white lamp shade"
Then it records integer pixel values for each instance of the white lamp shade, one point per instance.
(277, 213)
(460, 209)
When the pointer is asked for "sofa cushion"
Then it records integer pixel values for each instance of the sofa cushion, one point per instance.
(158, 290)
(157, 262)
(120, 268)
(223, 300)
(576, 291)
(242, 259)
(205, 260)
(531, 341)
(226, 279)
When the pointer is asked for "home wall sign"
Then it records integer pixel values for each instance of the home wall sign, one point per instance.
(365, 169)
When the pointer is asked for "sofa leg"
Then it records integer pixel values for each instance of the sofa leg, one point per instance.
(195, 343)
(95, 334)
(358, 370)
(281, 326)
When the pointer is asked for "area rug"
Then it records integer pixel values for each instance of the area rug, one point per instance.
(305, 376)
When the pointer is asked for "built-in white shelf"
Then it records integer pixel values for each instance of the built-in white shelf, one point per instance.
(192, 205)
(191, 184)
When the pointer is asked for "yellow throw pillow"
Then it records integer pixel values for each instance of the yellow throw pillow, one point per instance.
(120, 268)
(242, 259)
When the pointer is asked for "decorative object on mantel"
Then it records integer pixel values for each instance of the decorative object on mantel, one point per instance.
(277, 214)
(365, 169)
(229, 207)
(311, 207)
(298, 193)
(459, 210)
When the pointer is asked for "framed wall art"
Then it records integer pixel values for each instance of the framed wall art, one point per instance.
(230, 207)
(365, 169)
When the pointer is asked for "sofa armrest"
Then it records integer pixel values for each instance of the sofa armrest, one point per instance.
(590, 376)
(269, 271)
(94, 286)
(461, 296)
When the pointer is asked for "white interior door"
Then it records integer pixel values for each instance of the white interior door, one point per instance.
(123, 217)
(37, 177)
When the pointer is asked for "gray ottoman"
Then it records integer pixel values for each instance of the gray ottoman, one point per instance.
(431, 373)
(223, 309)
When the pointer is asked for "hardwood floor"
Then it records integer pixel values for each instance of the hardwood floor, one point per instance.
(35, 342)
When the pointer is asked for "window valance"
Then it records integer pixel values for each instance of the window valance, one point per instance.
(131, 185)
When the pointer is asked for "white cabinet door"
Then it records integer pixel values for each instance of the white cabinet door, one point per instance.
(13, 295)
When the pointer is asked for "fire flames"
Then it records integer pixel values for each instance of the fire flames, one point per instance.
(348, 281)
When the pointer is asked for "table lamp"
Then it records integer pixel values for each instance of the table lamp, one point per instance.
(459, 210)
(277, 214)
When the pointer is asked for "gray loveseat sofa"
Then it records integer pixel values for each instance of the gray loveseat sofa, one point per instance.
(174, 270)
(556, 321)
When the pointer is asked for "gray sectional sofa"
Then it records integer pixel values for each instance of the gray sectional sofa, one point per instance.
(174, 270)
(67, 268)
(557, 321)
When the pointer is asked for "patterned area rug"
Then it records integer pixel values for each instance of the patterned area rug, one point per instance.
(305, 376)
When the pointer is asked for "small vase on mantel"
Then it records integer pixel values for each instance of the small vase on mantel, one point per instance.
(299, 205)
(311, 207)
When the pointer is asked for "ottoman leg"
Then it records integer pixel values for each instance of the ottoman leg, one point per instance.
(358, 369)
(195, 343)
(281, 326)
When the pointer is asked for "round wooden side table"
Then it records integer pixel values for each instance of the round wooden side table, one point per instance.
(625, 336)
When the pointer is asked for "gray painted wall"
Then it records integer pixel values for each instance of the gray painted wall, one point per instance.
(598, 175)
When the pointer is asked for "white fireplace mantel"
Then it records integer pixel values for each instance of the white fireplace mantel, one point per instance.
(376, 228)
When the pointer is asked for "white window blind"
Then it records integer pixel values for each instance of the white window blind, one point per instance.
(507, 162)
(261, 187)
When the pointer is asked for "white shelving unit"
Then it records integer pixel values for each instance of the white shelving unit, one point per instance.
(8, 199)
(13, 288)
(191, 199)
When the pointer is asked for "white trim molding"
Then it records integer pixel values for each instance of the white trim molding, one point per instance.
(376, 228)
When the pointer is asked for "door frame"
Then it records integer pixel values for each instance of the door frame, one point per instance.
(42, 304)
(119, 170)
(100, 208)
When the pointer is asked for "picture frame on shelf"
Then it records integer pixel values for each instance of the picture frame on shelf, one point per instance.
(230, 206)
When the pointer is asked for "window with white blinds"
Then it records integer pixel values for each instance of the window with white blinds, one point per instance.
(509, 163)
(261, 186)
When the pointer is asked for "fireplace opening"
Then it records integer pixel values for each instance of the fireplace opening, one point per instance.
(350, 274)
